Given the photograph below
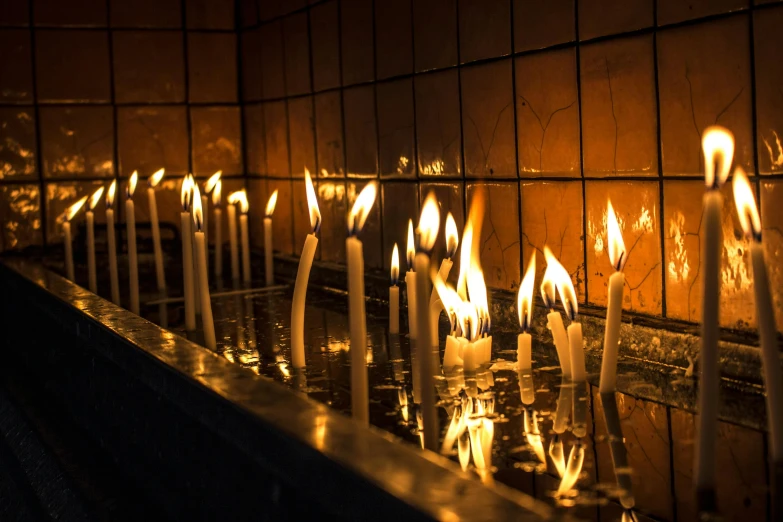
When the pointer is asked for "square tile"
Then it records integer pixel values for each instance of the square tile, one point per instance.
(672, 11)
(772, 221)
(255, 139)
(434, 34)
(276, 131)
(212, 67)
(148, 67)
(324, 24)
(297, 54)
(769, 77)
(499, 239)
(72, 66)
(77, 141)
(400, 203)
(438, 124)
(209, 14)
(356, 24)
(16, 69)
(301, 215)
(282, 222)
(70, 13)
(272, 67)
(333, 206)
(15, 13)
(151, 138)
(393, 37)
(300, 121)
(542, 23)
(370, 235)
(548, 114)
(329, 134)
(361, 143)
(17, 142)
(488, 121)
(604, 17)
(484, 29)
(619, 120)
(216, 140)
(395, 128)
(250, 51)
(682, 220)
(450, 199)
(60, 196)
(145, 13)
(257, 196)
(636, 204)
(20, 214)
(552, 216)
(689, 60)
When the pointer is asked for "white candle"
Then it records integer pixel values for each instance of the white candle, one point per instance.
(394, 293)
(208, 325)
(232, 240)
(186, 196)
(111, 244)
(133, 261)
(577, 350)
(218, 215)
(92, 274)
(524, 349)
(525, 311)
(555, 278)
(452, 242)
(246, 278)
(452, 355)
(410, 282)
(155, 225)
(68, 243)
(560, 338)
(614, 308)
(269, 271)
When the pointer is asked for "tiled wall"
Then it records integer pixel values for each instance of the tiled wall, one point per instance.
(552, 106)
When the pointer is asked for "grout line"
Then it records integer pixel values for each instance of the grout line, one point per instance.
(516, 147)
(42, 196)
(463, 174)
(415, 159)
(109, 28)
(581, 146)
(378, 197)
(452, 179)
(753, 112)
(661, 183)
(118, 208)
(672, 473)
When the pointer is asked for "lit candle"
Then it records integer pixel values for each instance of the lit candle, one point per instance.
(410, 281)
(394, 293)
(233, 243)
(765, 317)
(155, 225)
(68, 240)
(209, 186)
(303, 276)
(614, 309)
(133, 261)
(565, 288)
(208, 325)
(194, 257)
(525, 311)
(218, 218)
(477, 291)
(452, 242)
(718, 149)
(429, 222)
(360, 406)
(452, 355)
(244, 235)
(186, 196)
(111, 243)
(269, 270)
(91, 269)
(554, 319)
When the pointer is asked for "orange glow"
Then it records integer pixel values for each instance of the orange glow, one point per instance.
(212, 181)
(477, 291)
(216, 193)
(448, 296)
(410, 249)
(617, 254)
(312, 203)
(95, 198)
(525, 296)
(361, 208)
(745, 202)
(110, 193)
(186, 193)
(395, 265)
(533, 434)
(452, 236)
(132, 183)
(464, 260)
(198, 216)
(429, 223)
(556, 275)
(717, 145)
(270, 205)
(239, 198)
(557, 455)
(574, 468)
(73, 209)
(155, 178)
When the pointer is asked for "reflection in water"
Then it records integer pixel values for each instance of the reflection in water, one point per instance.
(616, 441)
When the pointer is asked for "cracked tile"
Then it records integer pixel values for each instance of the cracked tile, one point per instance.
(77, 141)
(300, 122)
(324, 23)
(361, 146)
(395, 128)
(400, 203)
(20, 215)
(255, 139)
(329, 135)
(438, 124)
(484, 29)
(151, 138)
(276, 132)
(604, 17)
(769, 94)
(17, 142)
(16, 69)
(541, 23)
(217, 140)
(358, 57)
(772, 221)
(148, 66)
(434, 34)
(393, 37)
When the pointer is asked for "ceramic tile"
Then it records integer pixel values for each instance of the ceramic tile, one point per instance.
(297, 54)
(257, 195)
(548, 114)
(77, 141)
(552, 216)
(772, 221)
(332, 202)
(682, 250)
(619, 121)
(329, 135)
(673, 11)
(603, 17)
(324, 24)
(148, 67)
(217, 139)
(151, 138)
(255, 139)
(212, 67)
(541, 23)
(370, 235)
(450, 199)
(300, 121)
(438, 124)
(637, 206)
(361, 145)
(70, 13)
(499, 239)
(72, 66)
(400, 203)
(358, 57)
(145, 13)
(395, 128)
(60, 196)
(740, 483)
(248, 12)
(769, 77)
(488, 121)
(16, 71)
(15, 13)
(434, 34)
(272, 66)
(283, 219)
(209, 14)
(484, 29)
(393, 37)
(276, 131)
(20, 215)
(301, 215)
(689, 60)
(252, 84)
(17, 142)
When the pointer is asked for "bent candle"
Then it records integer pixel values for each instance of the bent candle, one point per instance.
(133, 261)
(614, 308)
(554, 319)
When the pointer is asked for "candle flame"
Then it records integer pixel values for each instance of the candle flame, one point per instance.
(186, 193)
(198, 216)
(156, 177)
(312, 203)
(216, 192)
(110, 193)
(556, 276)
(410, 251)
(617, 254)
(361, 208)
(270, 205)
(477, 291)
(557, 455)
(464, 260)
(73, 209)
(132, 184)
(429, 222)
(533, 434)
(95, 198)
(212, 181)
(575, 461)
(448, 297)
(395, 265)
(239, 198)
(717, 145)
(452, 236)
(525, 296)
(745, 202)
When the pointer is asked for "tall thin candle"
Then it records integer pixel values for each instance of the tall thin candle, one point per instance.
(614, 309)
(111, 243)
(394, 293)
(186, 197)
(91, 268)
(133, 261)
(218, 219)
(410, 281)
(68, 240)
(208, 325)
(209, 187)
(269, 270)
(194, 257)
(160, 273)
(525, 311)
(452, 243)
(233, 242)
(244, 236)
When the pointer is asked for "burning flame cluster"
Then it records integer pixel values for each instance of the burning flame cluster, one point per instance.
(473, 430)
